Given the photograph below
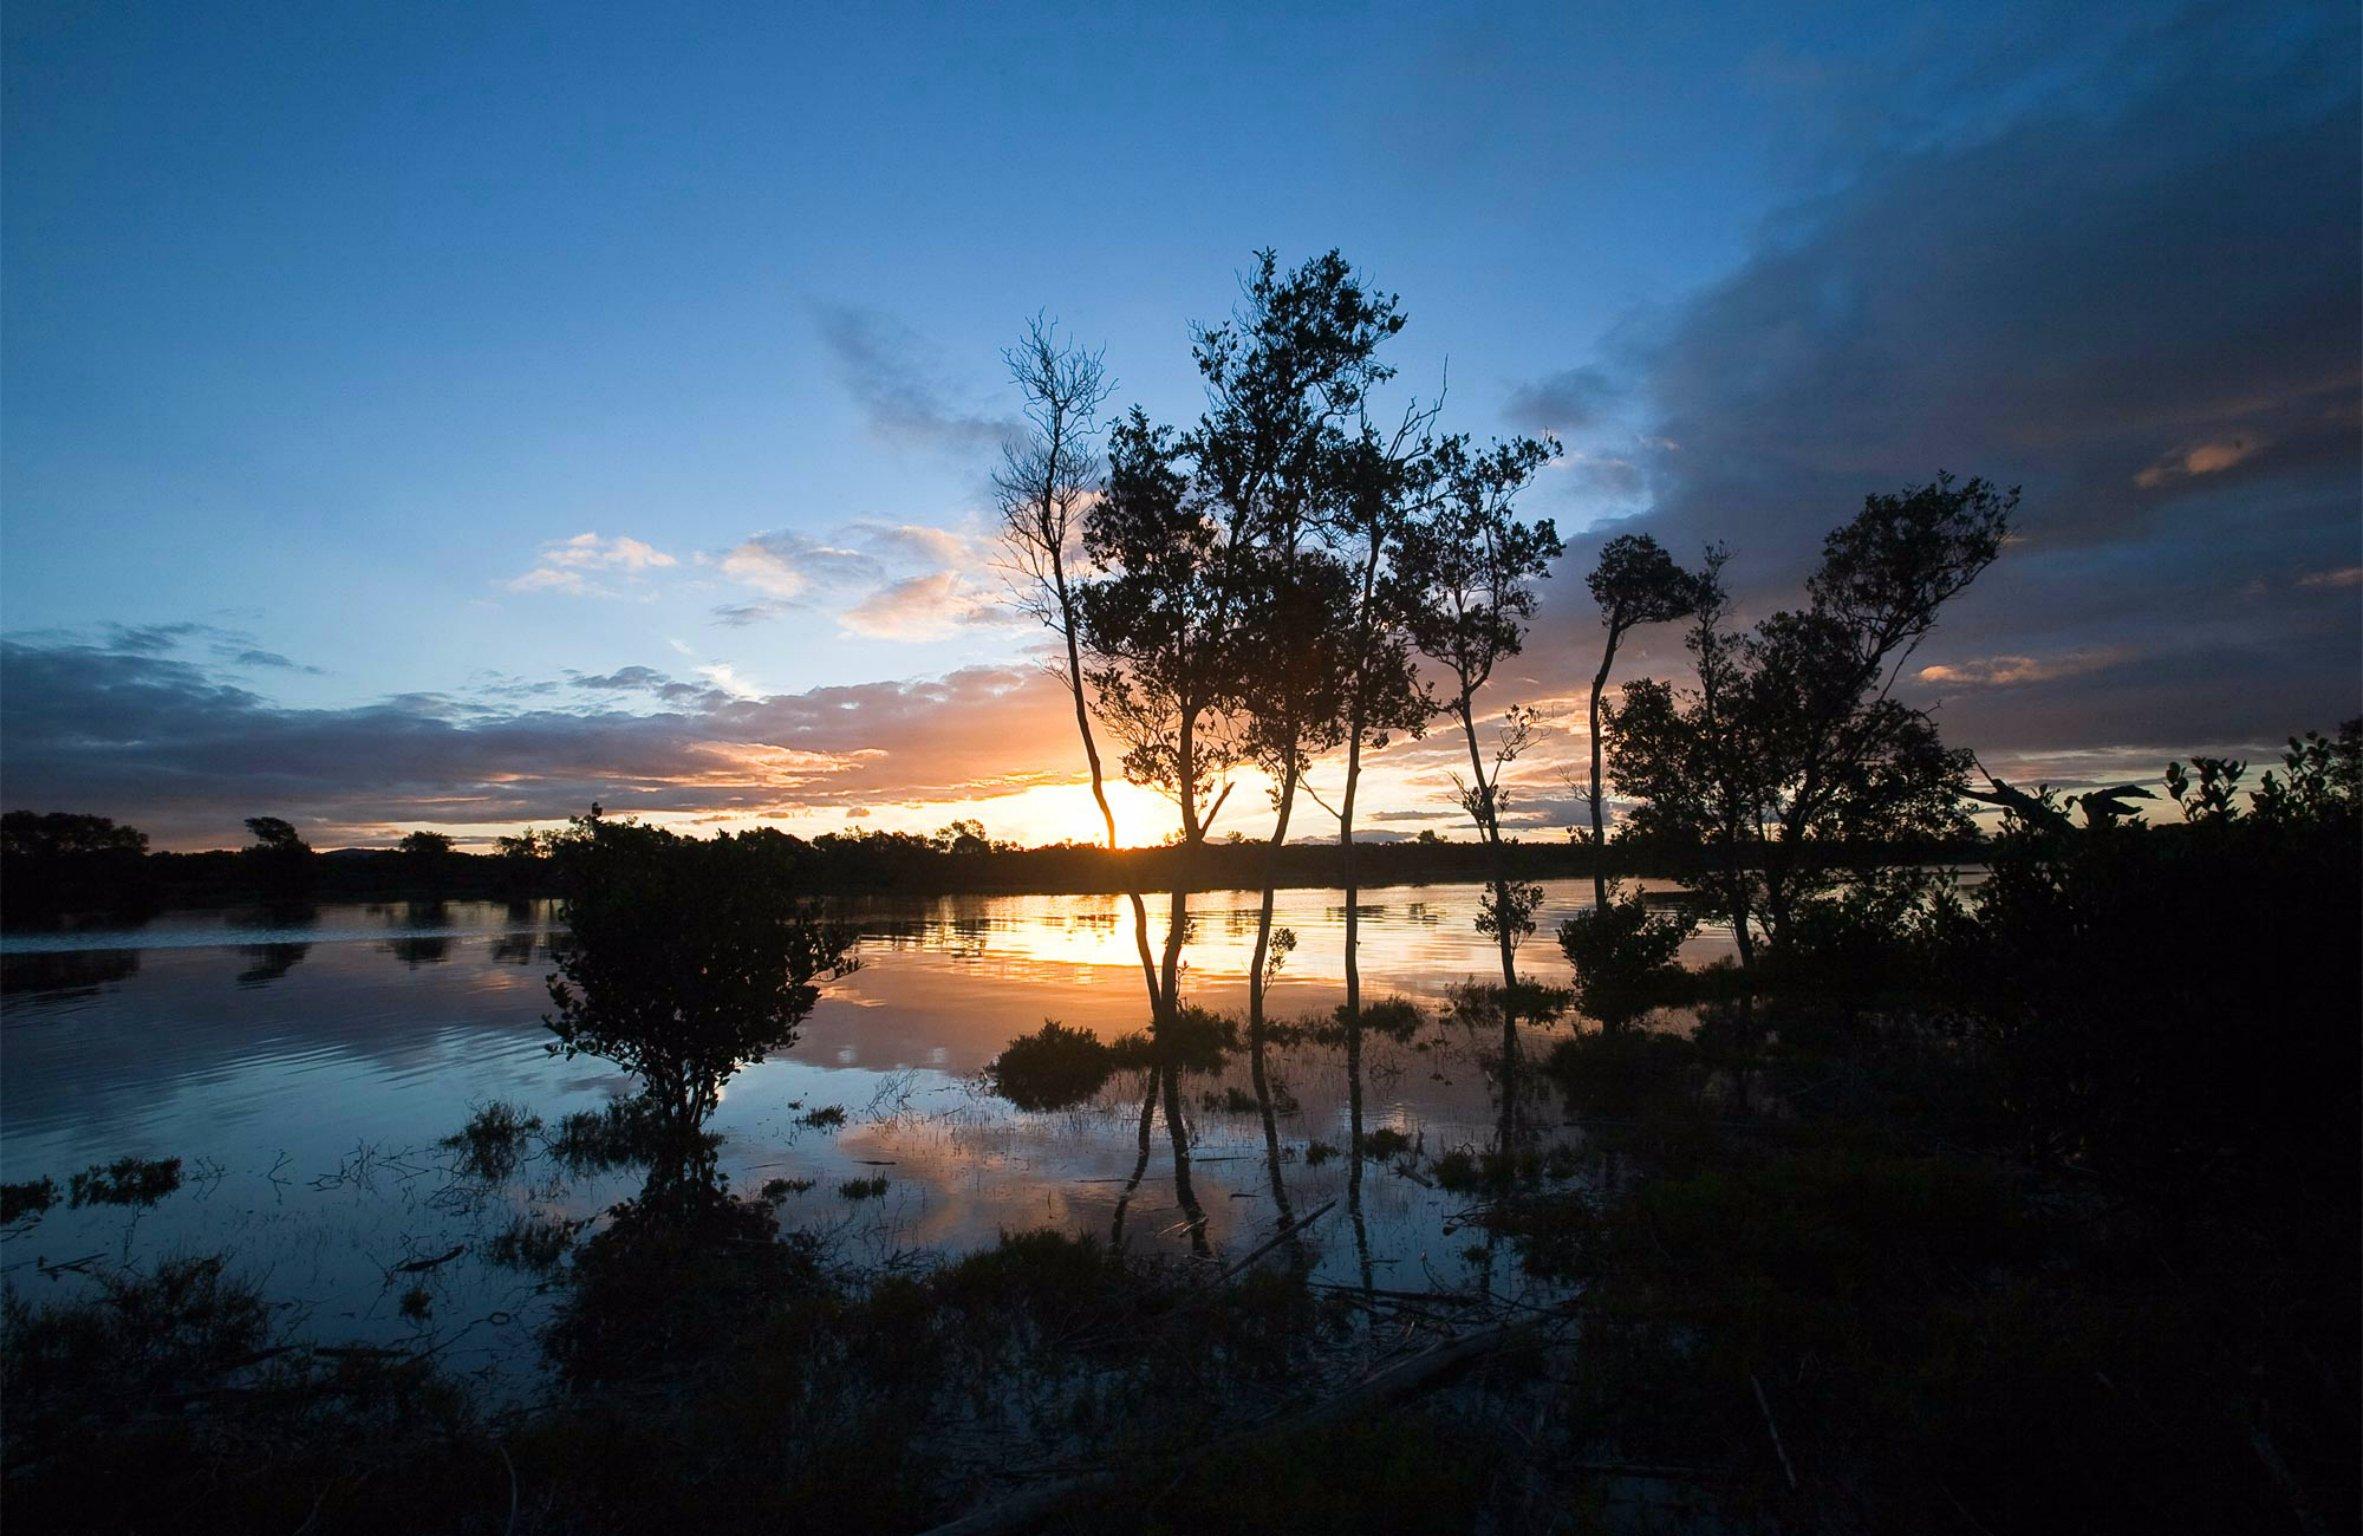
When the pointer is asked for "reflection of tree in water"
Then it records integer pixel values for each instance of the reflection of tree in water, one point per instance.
(274, 914)
(419, 949)
(683, 961)
(970, 937)
(515, 948)
(415, 952)
(270, 962)
(66, 973)
(657, 1290)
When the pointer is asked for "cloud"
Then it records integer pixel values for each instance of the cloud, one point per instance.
(2012, 671)
(163, 742)
(2202, 459)
(1570, 401)
(2137, 294)
(254, 657)
(2344, 576)
(785, 564)
(725, 678)
(889, 371)
(233, 648)
(930, 607)
(574, 565)
(740, 615)
(888, 581)
(647, 680)
(157, 639)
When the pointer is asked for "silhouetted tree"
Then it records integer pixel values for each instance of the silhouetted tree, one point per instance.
(281, 861)
(427, 856)
(1635, 582)
(1163, 647)
(1047, 480)
(1468, 569)
(1285, 376)
(1687, 759)
(522, 860)
(1382, 485)
(1792, 749)
(56, 862)
(684, 959)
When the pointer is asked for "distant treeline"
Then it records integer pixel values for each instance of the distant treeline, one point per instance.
(60, 868)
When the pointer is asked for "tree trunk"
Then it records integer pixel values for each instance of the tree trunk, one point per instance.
(1488, 820)
(1099, 785)
(1256, 1069)
(1140, 1167)
(1599, 815)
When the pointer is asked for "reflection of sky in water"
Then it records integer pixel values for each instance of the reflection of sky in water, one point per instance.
(305, 1064)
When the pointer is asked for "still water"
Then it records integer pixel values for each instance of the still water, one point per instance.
(305, 1069)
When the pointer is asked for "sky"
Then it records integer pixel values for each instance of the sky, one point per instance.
(446, 416)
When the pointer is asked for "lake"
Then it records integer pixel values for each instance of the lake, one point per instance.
(306, 1069)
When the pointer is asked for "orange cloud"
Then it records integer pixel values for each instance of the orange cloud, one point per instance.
(564, 566)
(2204, 459)
(2011, 671)
(930, 607)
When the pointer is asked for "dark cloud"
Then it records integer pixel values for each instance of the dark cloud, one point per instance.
(890, 372)
(157, 639)
(740, 615)
(161, 742)
(1567, 402)
(2143, 308)
(650, 681)
(623, 678)
(252, 656)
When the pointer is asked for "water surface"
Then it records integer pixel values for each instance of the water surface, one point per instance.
(304, 1065)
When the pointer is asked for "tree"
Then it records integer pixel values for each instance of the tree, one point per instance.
(1285, 376)
(1048, 478)
(1214, 621)
(964, 838)
(1466, 575)
(56, 862)
(1381, 485)
(1159, 625)
(1792, 750)
(1686, 758)
(282, 862)
(274, 836)
(1635, 582)
(428, 855)
(684, 959)
(39, 835)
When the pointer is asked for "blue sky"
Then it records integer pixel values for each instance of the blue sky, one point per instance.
(326, 329)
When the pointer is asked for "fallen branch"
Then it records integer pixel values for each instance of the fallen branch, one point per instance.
(1448, 1298)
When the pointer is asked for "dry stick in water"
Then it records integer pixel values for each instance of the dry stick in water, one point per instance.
(1288, 1229)
(1766, 1408)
